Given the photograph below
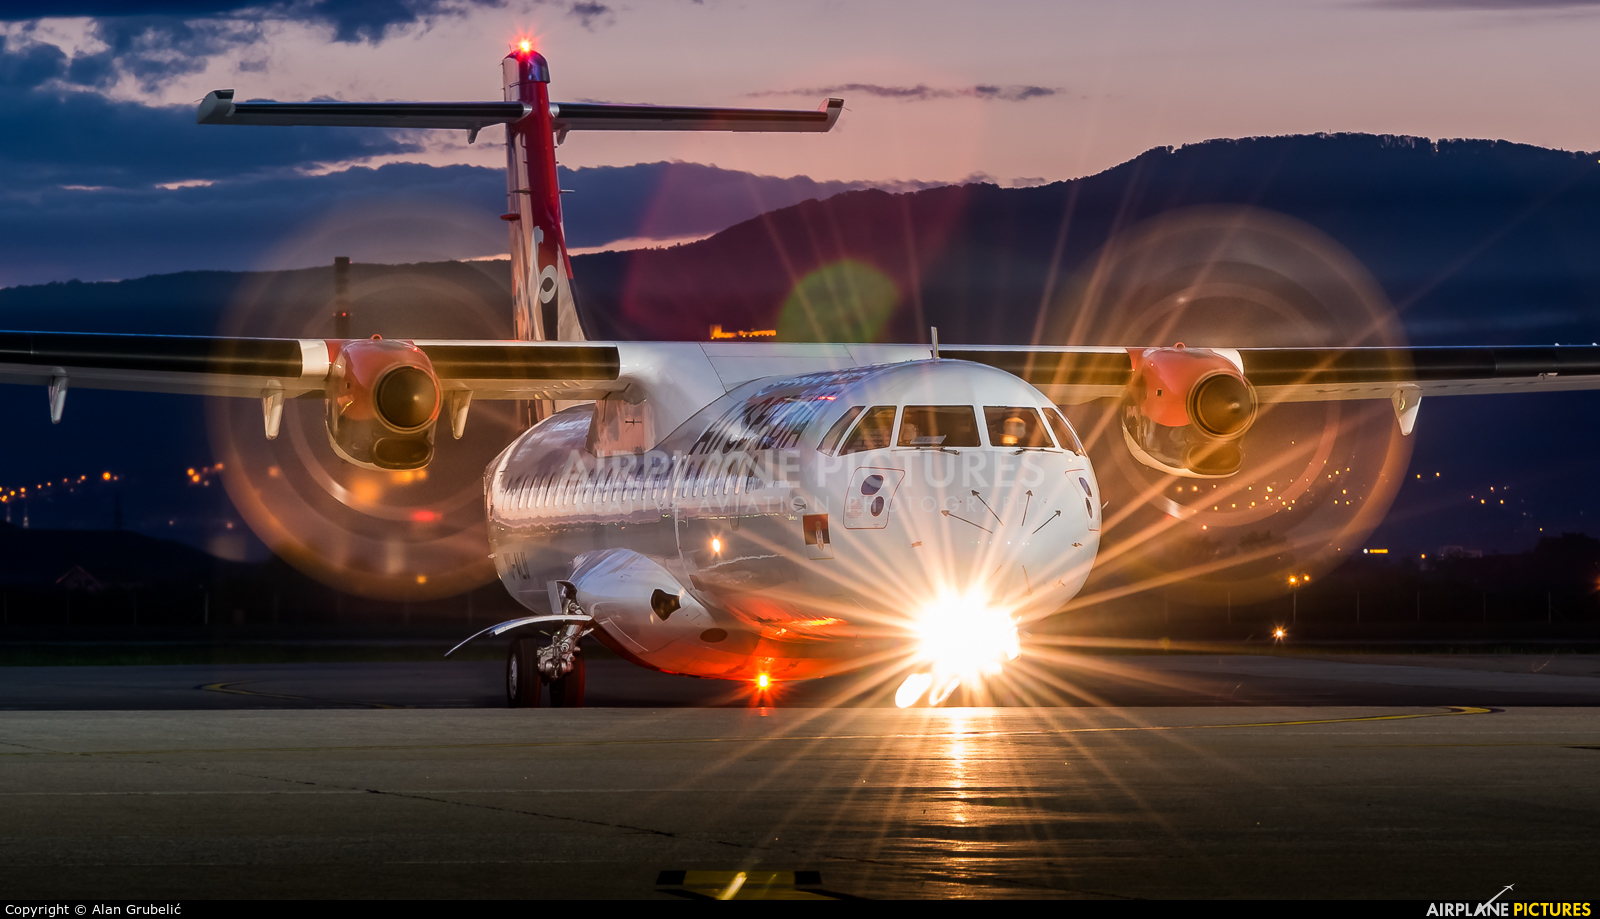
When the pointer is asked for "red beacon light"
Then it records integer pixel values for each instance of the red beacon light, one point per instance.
(525, 46)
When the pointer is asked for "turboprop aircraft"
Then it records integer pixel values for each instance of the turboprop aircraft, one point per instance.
(756, 511)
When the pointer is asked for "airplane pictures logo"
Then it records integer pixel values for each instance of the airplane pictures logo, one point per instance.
(1495, 906)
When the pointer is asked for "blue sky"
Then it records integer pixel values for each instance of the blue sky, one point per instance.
(103, 173)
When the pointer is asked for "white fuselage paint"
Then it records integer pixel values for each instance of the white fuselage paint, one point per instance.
(783, 559)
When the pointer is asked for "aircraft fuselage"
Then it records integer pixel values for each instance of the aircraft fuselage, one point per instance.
(795, 526)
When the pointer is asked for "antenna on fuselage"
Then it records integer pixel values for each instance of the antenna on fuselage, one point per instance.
(933, 332)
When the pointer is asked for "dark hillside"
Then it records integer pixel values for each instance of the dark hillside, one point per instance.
(1475, 241)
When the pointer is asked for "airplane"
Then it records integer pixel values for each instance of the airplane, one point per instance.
(752, 510)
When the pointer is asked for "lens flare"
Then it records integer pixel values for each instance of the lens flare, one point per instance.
(962, 639)
(910, 691)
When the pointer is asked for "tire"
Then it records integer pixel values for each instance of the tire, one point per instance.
(523, 683)
(567, 691)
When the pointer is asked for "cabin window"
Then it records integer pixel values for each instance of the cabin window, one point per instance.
(1015, 426)
(939, 426)
(873, 433)
(1064, 432)
(836, 433)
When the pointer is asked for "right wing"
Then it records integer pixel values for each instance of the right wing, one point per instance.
(217, 366)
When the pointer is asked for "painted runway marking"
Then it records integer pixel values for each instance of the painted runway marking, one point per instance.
(1450, 712)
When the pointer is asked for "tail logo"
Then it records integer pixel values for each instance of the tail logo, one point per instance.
(541, 279)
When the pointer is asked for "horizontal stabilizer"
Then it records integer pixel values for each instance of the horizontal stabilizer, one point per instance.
(592, 116)
(218, 107)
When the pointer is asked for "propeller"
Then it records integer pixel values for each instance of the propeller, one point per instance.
(408, 534)
(1314, 478)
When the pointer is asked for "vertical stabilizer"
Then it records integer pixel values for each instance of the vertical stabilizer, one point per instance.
(541, 273)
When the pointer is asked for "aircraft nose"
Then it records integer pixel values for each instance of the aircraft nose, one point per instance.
(1001, 525)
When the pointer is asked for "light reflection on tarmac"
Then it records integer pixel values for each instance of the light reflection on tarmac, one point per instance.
(1332, 779)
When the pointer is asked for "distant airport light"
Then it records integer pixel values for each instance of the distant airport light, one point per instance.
(1280, 633)
(106, 476)
(1376, 551)
(717, 334)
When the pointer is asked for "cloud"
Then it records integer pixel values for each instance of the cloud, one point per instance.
(30, 66)
(351, 20)
(152, 41)
(922, 92)
(400, 212)
(49, 138)
(589, 13)
(396, 213)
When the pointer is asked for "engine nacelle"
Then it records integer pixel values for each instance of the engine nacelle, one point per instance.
(1185, 410)
(383, 402)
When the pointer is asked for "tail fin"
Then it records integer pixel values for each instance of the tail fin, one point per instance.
(541, 268)
(541, 276)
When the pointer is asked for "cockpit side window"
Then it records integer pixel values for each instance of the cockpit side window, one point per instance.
(1064, 432)
(939, 426)
(874, 431)
(836, 433)
(1015, 426)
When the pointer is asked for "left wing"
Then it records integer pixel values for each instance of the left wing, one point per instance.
(1076, 375)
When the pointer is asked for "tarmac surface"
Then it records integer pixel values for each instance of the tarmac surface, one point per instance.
(1440, 778)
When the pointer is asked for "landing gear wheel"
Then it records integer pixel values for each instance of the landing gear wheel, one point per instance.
(567, 691)
(522, 674)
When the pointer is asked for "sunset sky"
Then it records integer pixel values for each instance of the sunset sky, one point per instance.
(1012, 92)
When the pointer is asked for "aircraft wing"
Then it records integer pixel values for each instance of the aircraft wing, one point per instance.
(216, 366)
(221, 366)
(1076, 375)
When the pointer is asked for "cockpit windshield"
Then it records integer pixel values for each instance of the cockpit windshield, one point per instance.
(1016, 426)
(835, 433)
(939, 426)
(1064, 432)
(874, 431)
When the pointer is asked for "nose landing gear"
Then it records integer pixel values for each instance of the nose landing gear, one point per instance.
(560, 663)
(523, 683)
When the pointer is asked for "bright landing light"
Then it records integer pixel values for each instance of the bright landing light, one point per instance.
(962, 639)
